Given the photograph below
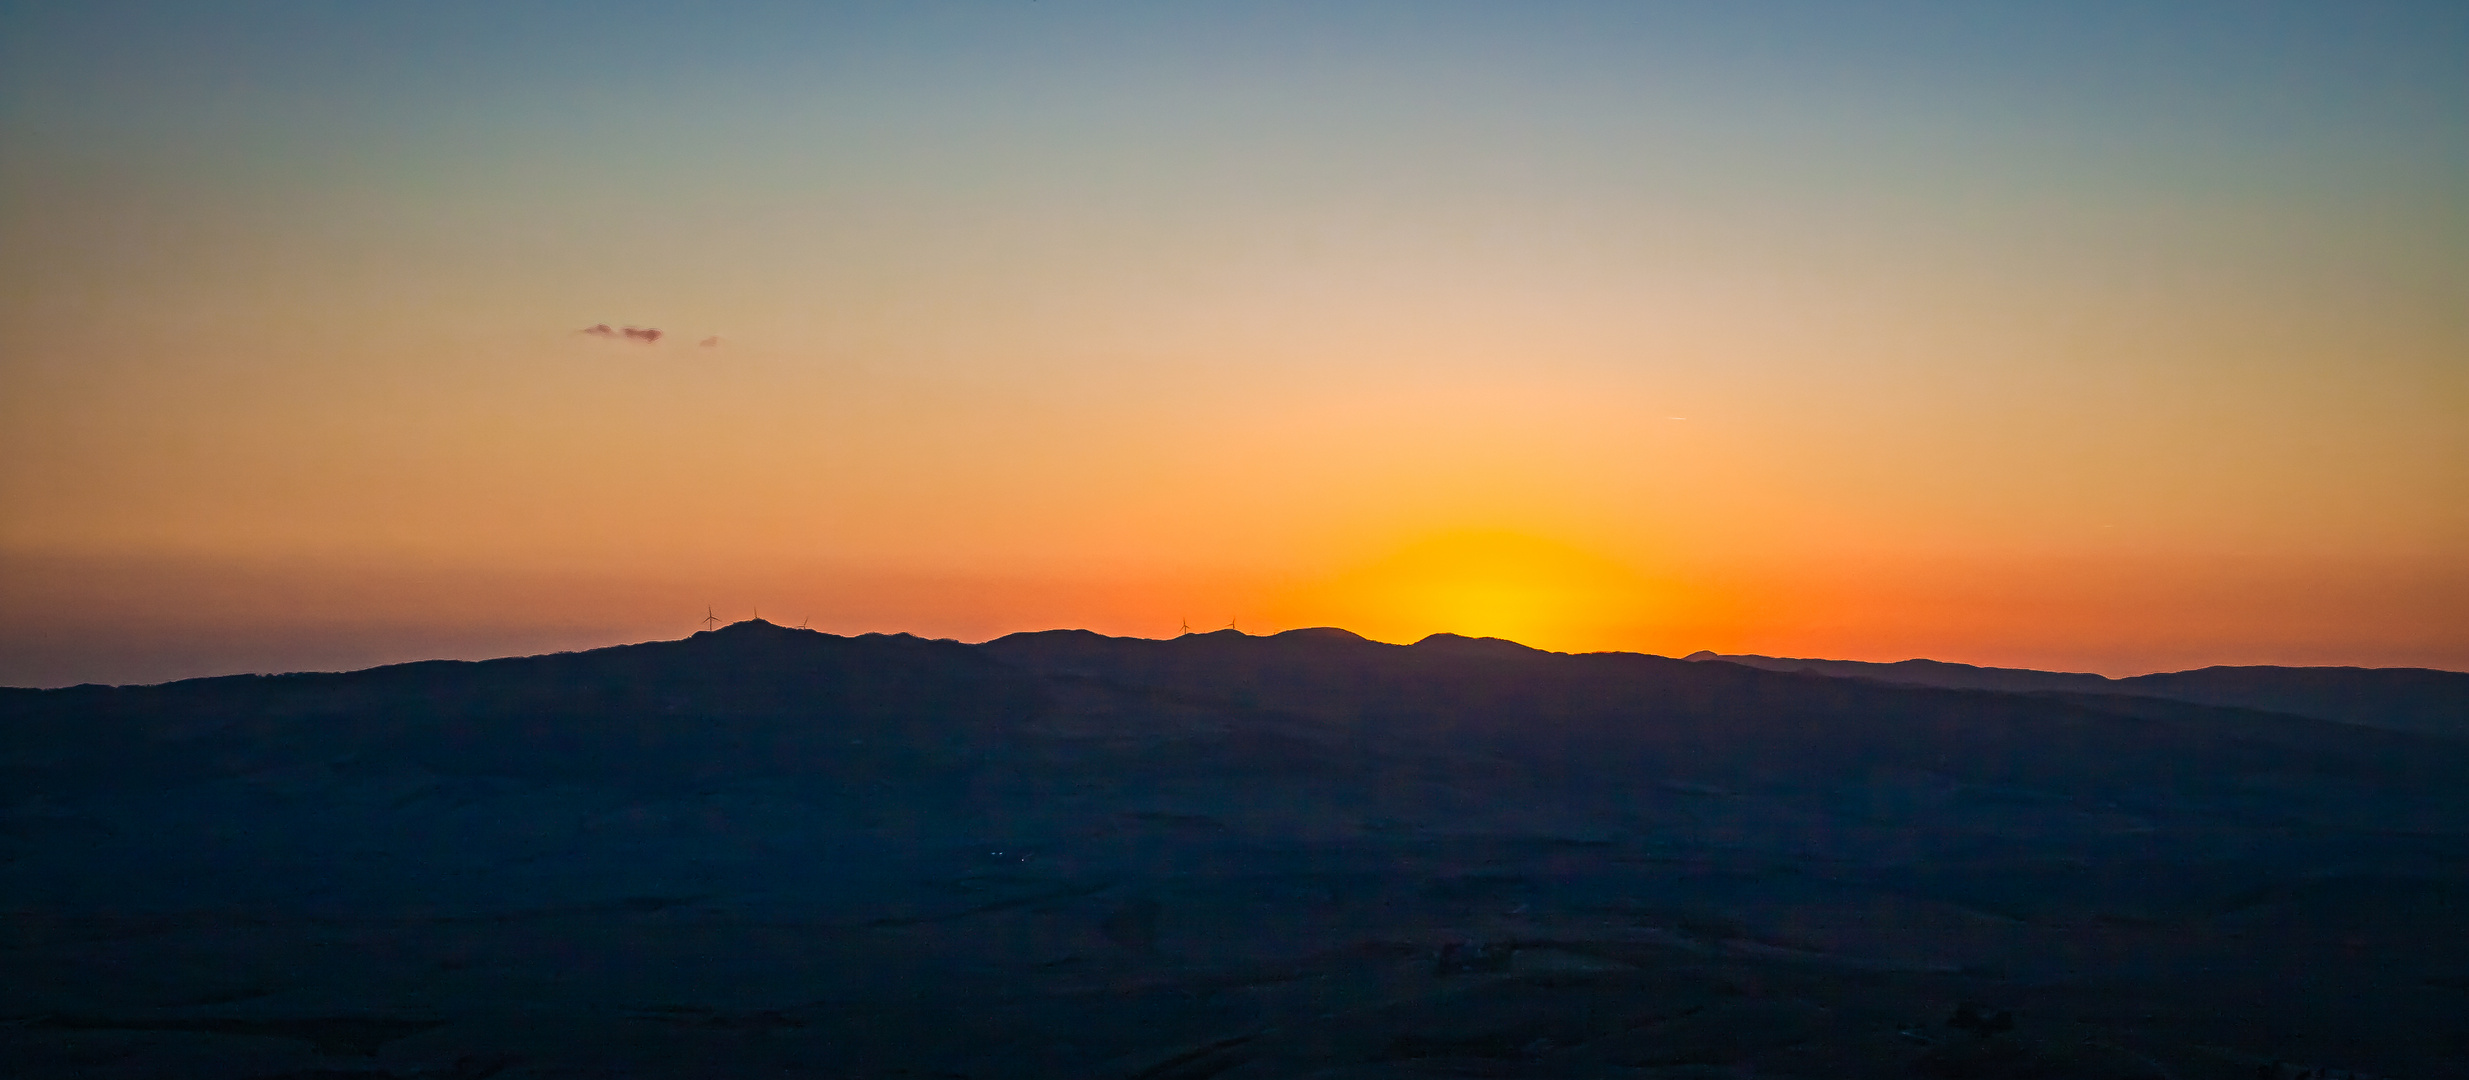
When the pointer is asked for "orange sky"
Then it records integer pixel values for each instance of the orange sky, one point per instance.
(1032, 319)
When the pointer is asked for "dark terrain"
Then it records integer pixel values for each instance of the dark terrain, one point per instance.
(771, 852)
(2400, 699)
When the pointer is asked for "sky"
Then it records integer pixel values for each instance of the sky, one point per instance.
(2112, 337)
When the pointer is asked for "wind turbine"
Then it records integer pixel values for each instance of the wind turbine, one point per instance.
(709, 620)
(1187, 624)
(1230, 623)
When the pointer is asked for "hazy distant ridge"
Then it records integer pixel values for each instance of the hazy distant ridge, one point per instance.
(2419, 700)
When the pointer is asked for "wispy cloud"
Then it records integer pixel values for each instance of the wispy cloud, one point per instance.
(644, 334)
(711, 342)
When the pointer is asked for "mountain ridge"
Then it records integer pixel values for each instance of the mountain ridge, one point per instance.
(2421, 700)
(2417, 700)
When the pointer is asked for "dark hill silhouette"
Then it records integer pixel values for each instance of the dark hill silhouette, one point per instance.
(1591, 709)
(2401, 699)
(2420, 700)
(763, 851)
(1927, 673)
(751, 697)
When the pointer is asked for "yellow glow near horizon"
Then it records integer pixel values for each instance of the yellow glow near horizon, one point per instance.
(1485, 583)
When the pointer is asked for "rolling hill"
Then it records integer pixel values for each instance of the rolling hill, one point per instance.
(2421, 700)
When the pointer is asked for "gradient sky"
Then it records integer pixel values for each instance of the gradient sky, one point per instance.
(2115, 337)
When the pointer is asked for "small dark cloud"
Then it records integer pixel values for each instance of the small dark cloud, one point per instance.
(712, 341)
(644, 334)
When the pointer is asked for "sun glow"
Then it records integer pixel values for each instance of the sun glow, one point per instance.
(1487, 584)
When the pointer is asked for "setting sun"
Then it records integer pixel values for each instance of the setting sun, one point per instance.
(1485, 583)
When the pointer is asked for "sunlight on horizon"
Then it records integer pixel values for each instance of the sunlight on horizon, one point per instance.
(1484, 583)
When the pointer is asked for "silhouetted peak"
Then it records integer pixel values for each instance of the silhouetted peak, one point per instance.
(765, 629)
(1703, 655)
(1461, 645)
(1051, 637)
(1321, 633)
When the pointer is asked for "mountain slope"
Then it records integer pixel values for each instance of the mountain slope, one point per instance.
(2418, 700)
(751, 698)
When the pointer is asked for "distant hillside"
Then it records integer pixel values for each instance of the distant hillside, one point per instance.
(750, 699)
(2418, 700)
(1929, 673)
